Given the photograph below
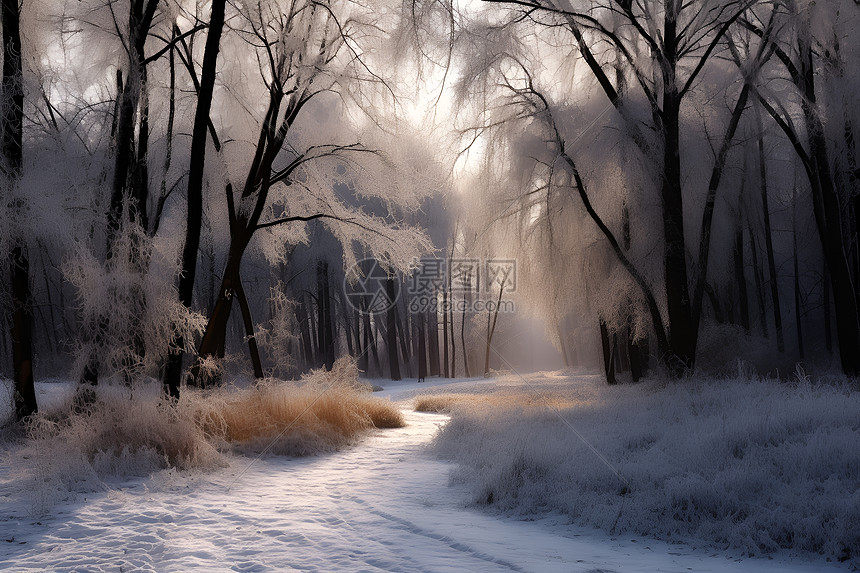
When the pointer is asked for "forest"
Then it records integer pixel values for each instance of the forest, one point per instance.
(163, 158)
(600, 257)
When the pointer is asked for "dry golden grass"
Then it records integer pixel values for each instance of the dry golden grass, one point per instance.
(500, 400)
(138, 429)
(294, 420)
(435, 403)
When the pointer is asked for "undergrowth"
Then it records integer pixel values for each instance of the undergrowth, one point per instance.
(134, 431)
(746, 464)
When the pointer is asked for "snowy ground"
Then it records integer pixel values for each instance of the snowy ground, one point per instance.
(383, 505)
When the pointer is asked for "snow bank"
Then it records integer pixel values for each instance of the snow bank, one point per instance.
(134, 431)
(750, 465)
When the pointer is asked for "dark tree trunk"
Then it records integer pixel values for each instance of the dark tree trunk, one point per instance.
(347, 329)
(466, 294)
(125, 191)
(422, 347)
(391, 332)
(758, 275)
(305, 333)
(715, 304)
(622, 359)
(403, 336)
(608, 348)
(141, 13)
(370, 340)
(173, 370)
(22, 335)
(445, 370)
(453, 340)
(682, 335)
(248, 323)
(325, 325)
(214, 340)
(433, 340)
(638, 366)
(828, 327)
(797, 313)
(740, 278)
(21, 327)
(768, 241)
(361, 347)
(492, 320)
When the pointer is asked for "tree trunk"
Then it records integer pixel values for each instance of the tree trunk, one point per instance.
(608, 348)
(248, 323)
(173, 371)
(828, 327)
(740, 278)
(682, 335)
(403, 335)
(325, 326)
(360, 347)
(21, 327)
(214, 339)
(768, 242)
(21, 334)
(463, 329)
(445, 370)
(433, 340)
(797, 313)
(638, 366)
(562, 346)
(391, 332)
(305, 333)
(491, 327)
(758, 275)
(422, 347)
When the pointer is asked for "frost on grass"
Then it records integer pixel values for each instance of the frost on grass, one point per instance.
(135, 431)
(324, 411)
(750, 465)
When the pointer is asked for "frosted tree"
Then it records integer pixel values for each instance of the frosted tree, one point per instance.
(659, 63)
(310, 63)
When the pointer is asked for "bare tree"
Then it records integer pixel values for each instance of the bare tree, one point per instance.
(297, 75)
(194, 220)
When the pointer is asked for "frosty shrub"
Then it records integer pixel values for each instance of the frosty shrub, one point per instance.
(276, 337)
(135, 431)
(751, 465)
(130, 310)
(125, 432)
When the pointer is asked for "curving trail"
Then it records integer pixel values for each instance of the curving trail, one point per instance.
(382, 505)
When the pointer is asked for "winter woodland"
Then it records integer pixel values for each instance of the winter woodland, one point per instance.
(208, 197)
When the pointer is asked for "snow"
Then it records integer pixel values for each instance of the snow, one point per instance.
(384, 504)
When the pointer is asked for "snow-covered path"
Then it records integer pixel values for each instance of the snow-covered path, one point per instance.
(382, 505)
